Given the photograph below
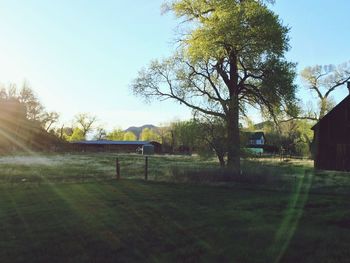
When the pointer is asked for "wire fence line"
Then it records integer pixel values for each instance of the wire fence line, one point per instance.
(178, 169)
(77, 169)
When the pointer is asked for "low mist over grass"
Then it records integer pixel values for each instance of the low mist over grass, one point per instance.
(268, 173)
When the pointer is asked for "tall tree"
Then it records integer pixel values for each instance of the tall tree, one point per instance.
(186, 133)
(231, 56)
(35, 110)
(129, 136)
(323, 81)
(49, 119)
(166, 137)
(77, 135)
(117, 134)
(85, 122)
(101, 133)
(13, 123)
(25, 123)
(148, 134)
(64, 132)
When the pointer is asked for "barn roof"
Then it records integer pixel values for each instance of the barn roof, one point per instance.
(332, 111)
(110, 142)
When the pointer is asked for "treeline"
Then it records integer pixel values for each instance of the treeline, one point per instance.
(85, 126)
(292, 137)
(24, 122)
(207, 136)
(25, 125)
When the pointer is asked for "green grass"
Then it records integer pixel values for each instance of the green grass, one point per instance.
(159, 221)
(91, 167)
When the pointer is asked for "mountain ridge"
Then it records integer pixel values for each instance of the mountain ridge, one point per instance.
(137, 130)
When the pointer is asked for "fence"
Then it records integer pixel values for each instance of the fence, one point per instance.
(81, 168)
(157, 168)
(107, 168)
(117, 168)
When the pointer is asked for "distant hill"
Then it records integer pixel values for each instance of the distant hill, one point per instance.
(261, 125)
(137, 130)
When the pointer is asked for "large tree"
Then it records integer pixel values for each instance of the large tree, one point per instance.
(48, 119)
(148, 134)
(117, 134)
(24, 123)
(323, 81)
(100, 133)
(34, 109)
(77, 135)
(85, 122)
(230, 56)
(129, 136)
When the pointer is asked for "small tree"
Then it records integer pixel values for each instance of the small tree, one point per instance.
(213, 133)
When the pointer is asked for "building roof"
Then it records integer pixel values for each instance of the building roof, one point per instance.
(256, 135)
(332, 111)
(110, 142)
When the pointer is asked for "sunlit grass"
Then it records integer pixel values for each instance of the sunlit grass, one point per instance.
(276, 212)
(70, 168)
(83, 167)
(130, 221)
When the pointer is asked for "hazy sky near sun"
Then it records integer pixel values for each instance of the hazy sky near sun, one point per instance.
(81, 56)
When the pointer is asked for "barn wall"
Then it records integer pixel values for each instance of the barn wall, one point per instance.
(332, 139)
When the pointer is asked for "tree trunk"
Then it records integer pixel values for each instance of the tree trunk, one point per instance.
(323, 108)
(233, 153)
(172, 141)
(221, 156)
(221, 160)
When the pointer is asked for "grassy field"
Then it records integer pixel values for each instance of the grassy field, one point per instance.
(69, 208)
(91, 167)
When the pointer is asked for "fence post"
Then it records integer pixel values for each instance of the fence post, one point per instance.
(117, 168)
(146, 168)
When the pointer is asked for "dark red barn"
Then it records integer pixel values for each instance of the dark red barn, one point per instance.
(331, 145)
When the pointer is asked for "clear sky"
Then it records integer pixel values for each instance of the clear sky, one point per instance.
(81, 56)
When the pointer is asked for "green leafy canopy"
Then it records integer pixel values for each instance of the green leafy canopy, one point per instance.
(247, 27)
(231, 55)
